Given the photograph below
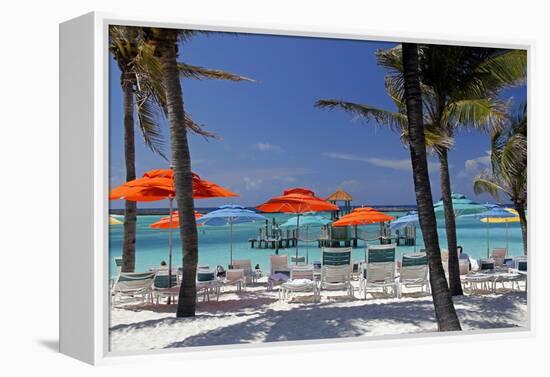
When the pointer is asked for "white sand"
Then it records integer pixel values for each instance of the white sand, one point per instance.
(258, 316)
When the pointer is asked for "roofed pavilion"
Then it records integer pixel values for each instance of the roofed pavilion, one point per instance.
(341, 196)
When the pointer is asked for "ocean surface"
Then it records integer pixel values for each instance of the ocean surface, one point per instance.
(152, 244)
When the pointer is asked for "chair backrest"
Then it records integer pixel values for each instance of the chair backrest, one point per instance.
(298, 259)
(128, 281)
(244, 264)
(234, 275)
(521, 264)
(161, 280)
(498, 255)
(381, 253)
(414, 266)
(118, 262)
(301, 272)
(385, 271)
(204, 276)
(339, 256)
(414, 259)
(277, 262)
(486, 264)
(336, 274)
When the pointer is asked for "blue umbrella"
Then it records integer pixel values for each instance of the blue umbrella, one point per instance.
(410, 218)
(228, 215)
(461, 206)
(307, 221)
(493, 212)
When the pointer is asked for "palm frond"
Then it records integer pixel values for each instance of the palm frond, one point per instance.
(393, 120)
(486, 183)
(198, 73)
(482, 114)
(198, 129)
(508, 68)
(147, 122)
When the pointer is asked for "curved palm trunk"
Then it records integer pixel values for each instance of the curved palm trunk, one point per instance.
(445, 313)
(181, 160)
(520, 207)
(129, 241)
(455, 286)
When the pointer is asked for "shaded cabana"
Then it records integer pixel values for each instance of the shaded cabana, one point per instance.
(337, 197)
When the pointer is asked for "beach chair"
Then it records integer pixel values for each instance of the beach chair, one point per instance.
(118, 264)
(301, 280)
(520, 270)
(246, 265)
(413, 272)
(481, 281)
(207, 283)
(279, 271)
(132, 284)
(498, 255)
(336, 269)
(160, 284)
(379, 271)
(235, 277)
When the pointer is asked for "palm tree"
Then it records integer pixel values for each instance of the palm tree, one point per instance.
(509, 167)
(460, 86)
(141, 81)
(447, 319)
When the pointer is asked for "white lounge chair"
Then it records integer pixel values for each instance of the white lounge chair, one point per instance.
(336, 269)
(207, 283)
(132, 284)
(160, 284)
(246, 265)
(235, 277)
(301, 280)
(499, 255)
(278, 266)
(413, 272)
(379, 271)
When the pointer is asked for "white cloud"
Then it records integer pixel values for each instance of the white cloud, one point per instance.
(266, 147)
(251, 184)
(400, 164)
(475, 165)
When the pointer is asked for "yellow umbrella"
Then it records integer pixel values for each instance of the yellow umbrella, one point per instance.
(494, 220)
(114, 221)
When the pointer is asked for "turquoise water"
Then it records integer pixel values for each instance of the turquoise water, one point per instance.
(152, 244)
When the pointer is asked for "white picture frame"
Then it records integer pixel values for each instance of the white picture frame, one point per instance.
(84, 260)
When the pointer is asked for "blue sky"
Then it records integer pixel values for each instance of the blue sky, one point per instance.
(272, 135)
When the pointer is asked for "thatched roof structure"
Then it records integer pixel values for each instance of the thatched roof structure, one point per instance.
(339, 196)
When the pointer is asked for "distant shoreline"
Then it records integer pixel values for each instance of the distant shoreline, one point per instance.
(164, 211)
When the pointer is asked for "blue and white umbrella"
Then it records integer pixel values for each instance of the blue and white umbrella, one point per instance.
(410, 218)
(230, 214)
(305, 221)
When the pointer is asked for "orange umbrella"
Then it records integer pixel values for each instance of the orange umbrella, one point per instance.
(164, 223)
(159, 185)
(363, 216)
(297, 201)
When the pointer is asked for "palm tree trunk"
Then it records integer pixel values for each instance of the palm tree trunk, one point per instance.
(445, 313)
(130, 216)
(166, 40)
(455, 285)
(520, 207)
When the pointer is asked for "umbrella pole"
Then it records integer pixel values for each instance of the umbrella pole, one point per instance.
(307, 243)
(506, 237)
(231, 242)
(171, 203)
(487, 227)
(297, 235)
(365, 244)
